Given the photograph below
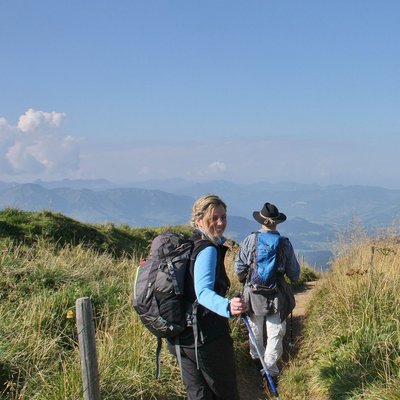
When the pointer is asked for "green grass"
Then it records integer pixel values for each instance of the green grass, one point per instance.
(31, 227)
(351, 348)
(39, 358)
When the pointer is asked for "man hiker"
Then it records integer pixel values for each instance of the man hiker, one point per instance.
(264, 258)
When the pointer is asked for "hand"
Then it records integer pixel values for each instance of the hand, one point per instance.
(238, 305)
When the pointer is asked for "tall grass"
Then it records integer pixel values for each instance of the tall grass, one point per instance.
(351, 348)
(39, 358)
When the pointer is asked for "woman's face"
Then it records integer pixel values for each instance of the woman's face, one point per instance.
(214, 222)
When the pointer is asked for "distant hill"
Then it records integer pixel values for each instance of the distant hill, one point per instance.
(92, 184)
(315, 213)
(131, 206)
(334, 205)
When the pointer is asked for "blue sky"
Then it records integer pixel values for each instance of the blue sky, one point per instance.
(239, 90)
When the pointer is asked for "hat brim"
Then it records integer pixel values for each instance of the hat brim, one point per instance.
(277, 220)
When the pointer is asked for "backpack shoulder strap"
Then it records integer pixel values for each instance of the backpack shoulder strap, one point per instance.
(281, 257)
(253, 258)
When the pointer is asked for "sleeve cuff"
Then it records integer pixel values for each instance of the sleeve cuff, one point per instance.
(229, 309)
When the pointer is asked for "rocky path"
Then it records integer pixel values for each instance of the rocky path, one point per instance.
(250, 382)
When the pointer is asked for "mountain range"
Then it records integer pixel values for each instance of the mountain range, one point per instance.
(316, 214)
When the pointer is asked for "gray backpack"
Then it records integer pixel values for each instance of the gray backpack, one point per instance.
(158, 288)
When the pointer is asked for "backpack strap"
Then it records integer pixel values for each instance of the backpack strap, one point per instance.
(280, 255)
(253, 259)
(158, 357)
(171, 270)
(196, 339)
(195, 331)
(178, 355)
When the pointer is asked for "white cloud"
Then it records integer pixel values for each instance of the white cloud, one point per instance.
(21, 159)
(216, 167)
(34, 121)
(36, 147)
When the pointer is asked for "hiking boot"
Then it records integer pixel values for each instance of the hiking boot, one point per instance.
(267, 387)
(260, 370)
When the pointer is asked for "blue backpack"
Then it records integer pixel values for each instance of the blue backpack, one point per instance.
(268, 260)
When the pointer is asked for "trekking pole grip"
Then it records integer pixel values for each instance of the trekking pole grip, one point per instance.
(238, 295)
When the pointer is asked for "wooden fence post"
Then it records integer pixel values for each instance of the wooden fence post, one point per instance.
(371, 264)
(87, 349)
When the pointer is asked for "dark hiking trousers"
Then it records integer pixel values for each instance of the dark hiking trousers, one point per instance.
(216, 377)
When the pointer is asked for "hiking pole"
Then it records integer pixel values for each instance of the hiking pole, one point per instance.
(291, 343)
(260, 356)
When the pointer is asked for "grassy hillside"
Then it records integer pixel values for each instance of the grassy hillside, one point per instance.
(48, 261)
(351, 347)
(31, 227)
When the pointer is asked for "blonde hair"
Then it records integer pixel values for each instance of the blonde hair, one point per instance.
(204, 206)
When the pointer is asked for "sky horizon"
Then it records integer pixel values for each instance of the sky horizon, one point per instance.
(305, 92)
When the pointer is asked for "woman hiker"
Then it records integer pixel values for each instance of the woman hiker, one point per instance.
(208, 362)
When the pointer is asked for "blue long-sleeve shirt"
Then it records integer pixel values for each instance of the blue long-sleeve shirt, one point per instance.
(204, 281)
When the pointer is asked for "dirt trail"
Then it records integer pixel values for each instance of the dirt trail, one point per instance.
(250, 382)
